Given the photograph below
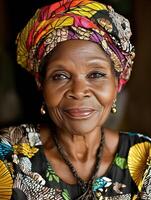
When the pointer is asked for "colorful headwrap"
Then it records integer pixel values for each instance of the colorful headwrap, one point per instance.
(76, 19)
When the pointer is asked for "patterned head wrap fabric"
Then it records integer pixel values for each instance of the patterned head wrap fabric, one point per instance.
(76, 19)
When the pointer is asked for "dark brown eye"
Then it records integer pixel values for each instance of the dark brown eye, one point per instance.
(60, 76)
(96, 75)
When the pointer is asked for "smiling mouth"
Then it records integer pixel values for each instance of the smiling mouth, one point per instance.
(79, 113)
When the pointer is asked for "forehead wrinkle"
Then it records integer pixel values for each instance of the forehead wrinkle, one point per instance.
(81, 65)
(78, 55)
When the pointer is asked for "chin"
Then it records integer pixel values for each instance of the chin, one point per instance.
(80, 128)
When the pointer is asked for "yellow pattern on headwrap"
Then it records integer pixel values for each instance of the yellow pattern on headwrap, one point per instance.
(100, 21)
(88, 10)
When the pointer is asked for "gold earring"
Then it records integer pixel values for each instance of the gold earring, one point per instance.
(114, 109)
(42, 109)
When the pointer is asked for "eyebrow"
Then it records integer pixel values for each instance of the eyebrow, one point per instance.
(58, 66)
(97, 62)
(98, 59)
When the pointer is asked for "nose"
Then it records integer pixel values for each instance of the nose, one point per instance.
(78, 89)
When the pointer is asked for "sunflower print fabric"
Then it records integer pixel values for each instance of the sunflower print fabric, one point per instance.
(72, 20)
(25, 173)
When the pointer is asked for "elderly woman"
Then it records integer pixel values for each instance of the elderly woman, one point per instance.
(80, 55)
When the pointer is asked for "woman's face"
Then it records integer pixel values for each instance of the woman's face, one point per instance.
(79, 86)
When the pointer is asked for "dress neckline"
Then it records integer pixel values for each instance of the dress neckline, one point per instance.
(106, 174)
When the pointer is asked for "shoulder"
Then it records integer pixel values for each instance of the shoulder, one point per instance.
(138, 144)
(134, 144)
(17, 137)
(132, 138)
(19, 134)
(125, 140)
(130, 145)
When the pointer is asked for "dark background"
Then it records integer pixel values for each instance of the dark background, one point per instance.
(19, 99)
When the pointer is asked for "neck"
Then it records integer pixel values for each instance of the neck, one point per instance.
(80, 147)
(98, 157)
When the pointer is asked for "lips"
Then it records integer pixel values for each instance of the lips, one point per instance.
(79, 113)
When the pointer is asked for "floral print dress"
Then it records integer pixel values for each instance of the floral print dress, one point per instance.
(25, 173)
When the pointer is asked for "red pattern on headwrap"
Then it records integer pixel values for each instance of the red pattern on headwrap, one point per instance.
(87, 20)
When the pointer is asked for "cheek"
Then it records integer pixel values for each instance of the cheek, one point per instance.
(52, 96)
(106, 94)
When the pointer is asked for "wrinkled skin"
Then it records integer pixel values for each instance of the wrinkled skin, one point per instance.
(79, 86)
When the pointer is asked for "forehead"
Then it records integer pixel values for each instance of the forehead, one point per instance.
(73, 49)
